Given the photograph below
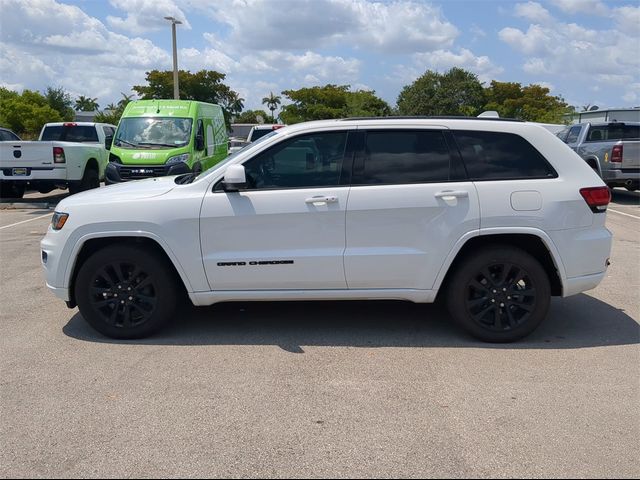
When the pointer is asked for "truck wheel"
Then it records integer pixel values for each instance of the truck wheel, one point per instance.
(11, 189)
(633, 187)
(126, 291)
(499, 294)
(89, 180)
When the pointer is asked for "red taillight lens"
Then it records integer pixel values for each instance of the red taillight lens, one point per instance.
(596, 197)
(58, 155)
(616, 154)
(69, 124)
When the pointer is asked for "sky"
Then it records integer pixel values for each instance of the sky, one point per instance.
(586, 51)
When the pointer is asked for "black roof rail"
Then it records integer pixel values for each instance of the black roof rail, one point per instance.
(436, 117)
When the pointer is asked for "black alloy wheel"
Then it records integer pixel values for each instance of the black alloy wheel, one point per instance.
(499, 294)
(126, 291)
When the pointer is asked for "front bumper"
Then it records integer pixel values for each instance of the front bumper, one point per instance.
(118, 172)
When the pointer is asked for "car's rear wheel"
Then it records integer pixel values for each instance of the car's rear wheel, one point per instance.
(90, 180)
(12, 189)
(126, 291)
(499, 294)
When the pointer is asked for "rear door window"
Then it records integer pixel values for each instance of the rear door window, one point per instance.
(403, 157)
(501, 156)
(574, 133)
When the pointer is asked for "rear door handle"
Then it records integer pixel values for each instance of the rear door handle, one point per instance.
(322, 199)
(451, 194)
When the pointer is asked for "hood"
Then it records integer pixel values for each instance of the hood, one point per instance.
(122, 192)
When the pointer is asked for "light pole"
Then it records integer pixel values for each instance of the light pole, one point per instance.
(174, 22)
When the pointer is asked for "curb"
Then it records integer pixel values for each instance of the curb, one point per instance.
(25, 206)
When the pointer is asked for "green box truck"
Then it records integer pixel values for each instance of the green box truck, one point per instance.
(166, 137)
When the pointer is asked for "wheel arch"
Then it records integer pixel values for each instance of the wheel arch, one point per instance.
(536, 243)
(89, 245)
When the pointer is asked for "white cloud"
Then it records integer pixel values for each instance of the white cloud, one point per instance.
(442, 60)
(593, 7)
(627, 20)
(146, 15)
(401, 26)
(533, 11)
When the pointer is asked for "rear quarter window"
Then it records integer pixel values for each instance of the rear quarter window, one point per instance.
(501, 156)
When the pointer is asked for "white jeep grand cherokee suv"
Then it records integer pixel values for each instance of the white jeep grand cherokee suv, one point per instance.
(492, 216)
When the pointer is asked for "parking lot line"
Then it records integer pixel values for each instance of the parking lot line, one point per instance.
(622, 213)
(25, 221)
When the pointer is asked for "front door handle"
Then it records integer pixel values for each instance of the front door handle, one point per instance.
(451, 194)
(322, 199)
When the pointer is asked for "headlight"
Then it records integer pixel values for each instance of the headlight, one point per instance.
(184, 158)
(58, 220)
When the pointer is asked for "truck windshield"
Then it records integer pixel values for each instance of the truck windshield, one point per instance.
(153, 132)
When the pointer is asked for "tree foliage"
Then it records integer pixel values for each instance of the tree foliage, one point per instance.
(331, 101)
(272, 102)
(533, 102)
(86, 104)
(60, 101)
(455, 92)
(252, 116)
(113, 112)
(26, 113)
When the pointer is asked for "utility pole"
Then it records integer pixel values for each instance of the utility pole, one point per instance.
(176, 90)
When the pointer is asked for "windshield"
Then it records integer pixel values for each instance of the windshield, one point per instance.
(153, 132)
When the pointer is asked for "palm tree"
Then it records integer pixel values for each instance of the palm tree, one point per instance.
(124, 100)
(234, 103)
(86, 104)
(272, 102)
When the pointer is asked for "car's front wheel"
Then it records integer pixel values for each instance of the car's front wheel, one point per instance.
(126, 291)
(499, 294)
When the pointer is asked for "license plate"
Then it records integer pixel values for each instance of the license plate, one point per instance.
(142, 171)
(19, 172)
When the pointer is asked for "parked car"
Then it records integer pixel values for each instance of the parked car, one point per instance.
(166, 137)
(69, 155)
(7, 135)
(494, 217)
(611, 149)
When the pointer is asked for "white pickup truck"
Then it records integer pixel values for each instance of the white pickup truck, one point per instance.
(66, 155)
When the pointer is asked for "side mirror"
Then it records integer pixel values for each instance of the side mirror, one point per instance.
(235, 178)
(108, 140)
(199, 142)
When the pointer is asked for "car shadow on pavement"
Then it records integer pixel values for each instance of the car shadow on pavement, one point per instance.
(624, 197)
(576, 322)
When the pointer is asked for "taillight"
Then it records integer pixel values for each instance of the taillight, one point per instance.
(58, 155)
(69, 124)
(616, 154)
(596, 197)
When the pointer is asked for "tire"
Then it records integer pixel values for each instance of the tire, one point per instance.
(89, 180)
(149, 283)
(633, 187)
(12, 189)
(499, 294)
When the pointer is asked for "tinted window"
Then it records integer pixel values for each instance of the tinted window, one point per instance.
(497, 155)
(401, 157)
(306, 161)
(261, 132)
(616, 131)
(108, 131)
(6, 135)
(77, 133)
(574, 133)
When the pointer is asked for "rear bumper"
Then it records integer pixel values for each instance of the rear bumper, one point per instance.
(620, 177)
(575, 285)
(118, 172)
(35, 174)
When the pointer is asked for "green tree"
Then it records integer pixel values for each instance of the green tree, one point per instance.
(86, 104)
(455, 92)
(113, 112)
(331, 101)
(533, 103)
(272, 102)
(234, 104)
(252, 116)
(25, 113)
(60, 100)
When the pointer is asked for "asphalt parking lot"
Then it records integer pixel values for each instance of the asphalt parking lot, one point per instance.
(322, 389)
